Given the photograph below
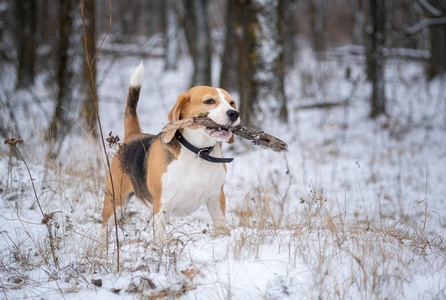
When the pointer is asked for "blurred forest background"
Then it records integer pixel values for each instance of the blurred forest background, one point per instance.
(255, 41)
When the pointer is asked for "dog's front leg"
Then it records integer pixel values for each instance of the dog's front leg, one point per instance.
(216, 208)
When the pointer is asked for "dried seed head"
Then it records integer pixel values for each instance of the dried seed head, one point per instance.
(13, 142)
(112, 140)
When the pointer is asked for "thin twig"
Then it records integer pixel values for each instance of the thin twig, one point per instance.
(425, 202)
(95, 102)
(30, 237)
(4, 289)
(15, 144)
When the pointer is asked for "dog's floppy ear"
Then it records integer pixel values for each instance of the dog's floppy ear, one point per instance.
(231, 139)
(175, 112)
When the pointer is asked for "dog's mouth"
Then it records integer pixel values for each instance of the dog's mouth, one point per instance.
(219, 133)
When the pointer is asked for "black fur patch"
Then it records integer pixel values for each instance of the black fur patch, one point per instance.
(132, 100)
(133, 157)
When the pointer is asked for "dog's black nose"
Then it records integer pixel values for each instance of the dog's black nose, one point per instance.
(232, 115)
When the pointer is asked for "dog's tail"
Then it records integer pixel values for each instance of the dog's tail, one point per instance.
(131, 120)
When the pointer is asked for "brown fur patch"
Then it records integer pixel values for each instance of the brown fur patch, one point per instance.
(131, 120)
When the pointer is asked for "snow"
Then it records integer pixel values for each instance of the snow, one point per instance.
(355, 209)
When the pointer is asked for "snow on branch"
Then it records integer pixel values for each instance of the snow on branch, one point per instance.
(425, 23)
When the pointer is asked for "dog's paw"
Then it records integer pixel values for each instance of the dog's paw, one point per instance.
(220, 231)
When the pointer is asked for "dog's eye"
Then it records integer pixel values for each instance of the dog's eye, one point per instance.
(209, 101)
(232, 103)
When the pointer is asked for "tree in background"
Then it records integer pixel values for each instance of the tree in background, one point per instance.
(170, 35)
(286, 31)
(287, 10)
(318, 27)
(376, 61)
(258, 49)
(89, 74)
(358, 21)
(61, 124)
(261, 76)
(196, 27)
(25, 12)
(437, 34)
(229, 75)
(409, 17)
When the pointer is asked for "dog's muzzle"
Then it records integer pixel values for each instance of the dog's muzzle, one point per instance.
(232, 115)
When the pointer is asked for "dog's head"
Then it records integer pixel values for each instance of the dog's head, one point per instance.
(217, 103)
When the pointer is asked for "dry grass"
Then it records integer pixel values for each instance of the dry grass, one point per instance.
(320, 244)
(342, 253)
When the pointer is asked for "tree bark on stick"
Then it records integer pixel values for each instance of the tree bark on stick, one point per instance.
(257, 137)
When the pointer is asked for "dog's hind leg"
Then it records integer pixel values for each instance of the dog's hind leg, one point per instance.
(115, 199)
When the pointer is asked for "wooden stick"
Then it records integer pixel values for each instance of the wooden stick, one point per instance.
(258, 138)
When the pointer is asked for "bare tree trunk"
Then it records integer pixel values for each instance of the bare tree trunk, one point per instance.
(368, 36)
(247, 42)
(260, 59)
(26, 17)
(285, 24)
(358, 21)
(88, 101)
(229, 76)
(61, 124)
(318, 26)
(128, 15)
(437, 34)
(198, 35)
(287, 31)
(171, 35)
(409, 18)
(376, 67)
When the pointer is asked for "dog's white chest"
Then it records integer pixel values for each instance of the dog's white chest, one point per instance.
(190, 182)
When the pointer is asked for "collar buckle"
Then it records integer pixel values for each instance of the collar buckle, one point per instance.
(205, 150)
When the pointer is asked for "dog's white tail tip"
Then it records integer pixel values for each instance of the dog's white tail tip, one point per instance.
(138, 74)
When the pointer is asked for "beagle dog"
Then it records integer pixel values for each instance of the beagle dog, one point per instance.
(174, 176)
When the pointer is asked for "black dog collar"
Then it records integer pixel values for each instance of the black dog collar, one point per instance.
(201, 152)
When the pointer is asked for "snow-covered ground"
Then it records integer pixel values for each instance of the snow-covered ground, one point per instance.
(355, 209)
